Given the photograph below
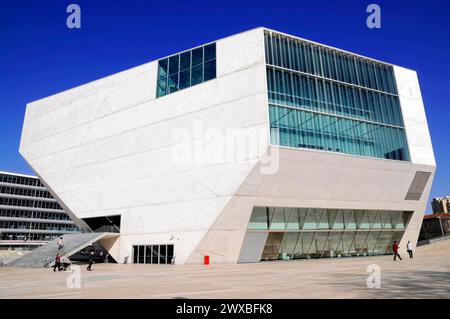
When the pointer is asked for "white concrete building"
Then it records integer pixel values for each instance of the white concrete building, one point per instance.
(258, 146)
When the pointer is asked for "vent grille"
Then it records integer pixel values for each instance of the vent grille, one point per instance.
(418, 185)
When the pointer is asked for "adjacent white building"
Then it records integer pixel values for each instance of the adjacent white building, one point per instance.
(258, 146)
(29, 216)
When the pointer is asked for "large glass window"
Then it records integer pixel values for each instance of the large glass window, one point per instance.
(324, 99)
(318, 233)
(302, 56)
(186, 69)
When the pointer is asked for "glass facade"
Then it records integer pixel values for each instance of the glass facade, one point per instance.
(28, 212)
(325, 99)
(29, 203)
(186, 69)
(299, 233)
(21, 180)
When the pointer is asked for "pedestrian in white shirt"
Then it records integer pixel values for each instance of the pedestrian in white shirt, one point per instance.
(409, 249)
(60, 243)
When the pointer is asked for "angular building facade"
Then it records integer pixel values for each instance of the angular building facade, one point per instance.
(258, 146)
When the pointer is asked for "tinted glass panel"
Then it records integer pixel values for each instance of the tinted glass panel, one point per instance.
(162, 67)
(135, 254)
(162, 86)
(197, 56)
(162, 254)
(141, 252)
(186, 69)
(185, 60)
(148, 254)
(210, 52)
(185, 79)
(155, 254)
(210, 70)
(197, 74)
(173, 82)
(170, 254)
(173, 64)
(259, 219)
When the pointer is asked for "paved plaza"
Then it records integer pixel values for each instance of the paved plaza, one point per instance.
(425, 276)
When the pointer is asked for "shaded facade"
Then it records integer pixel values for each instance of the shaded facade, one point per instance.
(258, 146)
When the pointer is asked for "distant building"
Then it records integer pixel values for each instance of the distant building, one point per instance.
(441, 205)
(435, 226)
(29, 215)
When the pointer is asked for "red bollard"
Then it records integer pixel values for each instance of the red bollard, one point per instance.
(206, 260)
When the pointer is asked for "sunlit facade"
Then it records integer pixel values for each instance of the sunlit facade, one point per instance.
(341, 164)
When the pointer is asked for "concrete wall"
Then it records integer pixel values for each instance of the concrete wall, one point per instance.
(110, 147)
(317, 179)
(415, 120)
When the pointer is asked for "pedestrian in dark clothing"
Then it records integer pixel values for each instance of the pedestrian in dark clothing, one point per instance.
(409, 249)
(395, 249)
(57, 263)
(91, 261)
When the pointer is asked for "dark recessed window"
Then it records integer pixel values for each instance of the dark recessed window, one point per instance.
(186, 69)
(173, 64)
(173, 82)
(197, 56)
(185, 79)
(210, 52)
(197, 74)
(210, 70)
(162, 68)
(185, 60)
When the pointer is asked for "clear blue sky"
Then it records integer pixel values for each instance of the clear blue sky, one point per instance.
(40, 56)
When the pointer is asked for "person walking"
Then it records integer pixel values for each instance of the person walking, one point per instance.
(395, 249)
(91, 261)
(57, 263)
(409, 249)
(60, 243)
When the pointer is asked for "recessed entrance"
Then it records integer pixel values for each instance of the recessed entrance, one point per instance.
(153, 254)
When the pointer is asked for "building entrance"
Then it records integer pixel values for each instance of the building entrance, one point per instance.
(153, 254)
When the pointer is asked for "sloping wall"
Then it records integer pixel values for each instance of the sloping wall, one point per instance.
(109, 147)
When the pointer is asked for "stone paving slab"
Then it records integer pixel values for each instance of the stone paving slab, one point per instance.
(425, 276)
